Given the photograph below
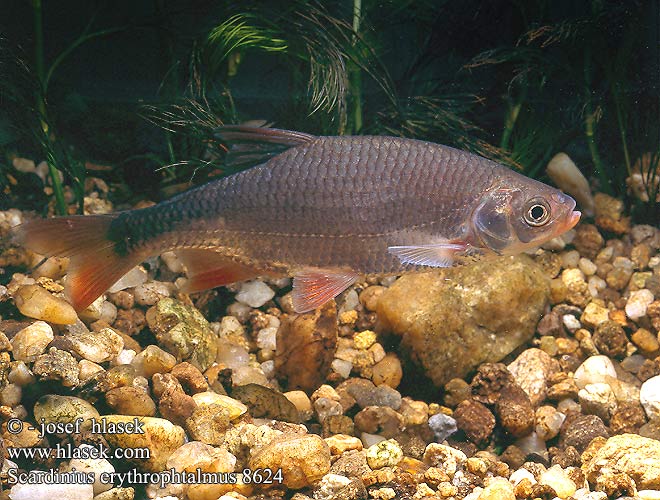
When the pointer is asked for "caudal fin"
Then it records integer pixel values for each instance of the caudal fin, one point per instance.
(94, 264)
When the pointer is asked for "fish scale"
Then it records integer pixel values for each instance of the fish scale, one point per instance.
(325, 210)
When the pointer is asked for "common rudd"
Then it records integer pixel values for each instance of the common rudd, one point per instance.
(324, 210)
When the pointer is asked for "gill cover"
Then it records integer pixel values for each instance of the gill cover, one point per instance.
(491, 219)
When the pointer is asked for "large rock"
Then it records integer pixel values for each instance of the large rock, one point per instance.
(455, 319)
(306, 345)
(184, 332)
(637, 456)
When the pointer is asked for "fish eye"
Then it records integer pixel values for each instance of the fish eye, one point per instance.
(537, 213)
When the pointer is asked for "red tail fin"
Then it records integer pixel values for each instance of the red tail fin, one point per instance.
(94, 265)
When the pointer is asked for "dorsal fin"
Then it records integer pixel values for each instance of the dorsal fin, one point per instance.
(254, 145)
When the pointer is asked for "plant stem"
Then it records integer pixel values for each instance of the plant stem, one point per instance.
(355, 74)
(511, 118)
(589, 124)
(53, 172)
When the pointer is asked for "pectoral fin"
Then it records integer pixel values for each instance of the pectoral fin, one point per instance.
(435, 255)
(313, 287)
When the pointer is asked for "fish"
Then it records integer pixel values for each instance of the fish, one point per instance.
(325, 210)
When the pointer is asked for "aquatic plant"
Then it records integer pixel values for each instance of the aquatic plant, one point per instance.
(27, 89)
(587, 78)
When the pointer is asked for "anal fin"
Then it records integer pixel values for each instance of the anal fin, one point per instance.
(313, 287)
(208, 269)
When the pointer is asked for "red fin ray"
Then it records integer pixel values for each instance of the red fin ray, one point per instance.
(313, 287)
(208, 269)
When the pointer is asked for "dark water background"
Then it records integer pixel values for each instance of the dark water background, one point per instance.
(425, 48)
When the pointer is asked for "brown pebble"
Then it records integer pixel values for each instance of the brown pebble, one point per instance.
(122, 299)
(457, 390)
(176, 406)
(118, 376)
(57, 365)
(650, 368)
(550, 324)
(475, 420)
(628, 417)
(131, 401)
(351, 463)
(588, 241)
(387, 371)
(515, 411)
(513, 456)
(523, 489)
(568, 457)
(646, 341)
(379, 420)
(208, 424)
(562, 390)
(488, 383)
(543, 491)
(337, 424)
(369, 296)
(610, 339)
(192, 380)
(131, 322)
(616, 485)
(581, 430)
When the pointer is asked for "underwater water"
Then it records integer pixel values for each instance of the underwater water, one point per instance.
(333, 250)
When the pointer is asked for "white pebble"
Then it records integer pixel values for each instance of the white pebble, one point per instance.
(124, 358)
(20, 374)
(351, 301)
(532, 443)
(521, 474)
(548, 422)
(255, 293)
(587, 267)
(32, 341)
(238, 310)
(593, 370)
(268, 367)
(10, 395)
(228, 326)
(132, 278)
(556, 478)
(570, 259)
(149, 293)
(330, 485)
(568, 405)
(596, 285)
(172, 262)
(598, 399)
(232, 355)
(585, 494)
(370, 439)
(649, 397)
(96, 466)
(649, 494)
(244, 375)
(48, 491)
(342, 367)
(571, 322)
(638, 303)
(267, 338)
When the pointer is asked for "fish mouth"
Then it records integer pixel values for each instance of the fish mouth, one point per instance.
(573, 220)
